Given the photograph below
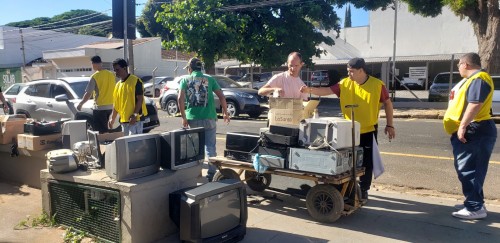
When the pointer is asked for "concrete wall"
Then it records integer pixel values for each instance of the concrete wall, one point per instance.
(416, 35)
(144, 201)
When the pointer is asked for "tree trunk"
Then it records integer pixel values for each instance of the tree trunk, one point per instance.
(486, 23)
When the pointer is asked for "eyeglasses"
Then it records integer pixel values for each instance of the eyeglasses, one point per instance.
(460, 63)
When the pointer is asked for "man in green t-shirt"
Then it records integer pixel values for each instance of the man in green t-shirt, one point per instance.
(197, 106)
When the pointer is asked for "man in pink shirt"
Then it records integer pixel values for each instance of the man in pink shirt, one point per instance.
(287, 84)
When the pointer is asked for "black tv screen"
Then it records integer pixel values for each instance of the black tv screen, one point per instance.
(182, 148)
(211, 220)
(213, 212)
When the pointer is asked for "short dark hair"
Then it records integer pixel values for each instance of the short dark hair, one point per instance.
(295, 53)
(472, 59)
(120, 62)
(195, 64)
(357, 63)
(96, 59)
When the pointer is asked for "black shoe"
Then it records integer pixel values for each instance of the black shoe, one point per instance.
(364, 195)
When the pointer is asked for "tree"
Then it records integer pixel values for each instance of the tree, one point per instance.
(146, 23)
(74, 21)
(347, 20)
(254, 31)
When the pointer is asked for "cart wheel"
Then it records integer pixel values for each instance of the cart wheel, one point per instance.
(324, 203)
(224, 174)
(257, 182)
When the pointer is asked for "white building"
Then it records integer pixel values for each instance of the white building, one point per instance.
(147, 55)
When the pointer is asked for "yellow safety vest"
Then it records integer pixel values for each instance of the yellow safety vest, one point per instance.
(366, 96)
(124, 98)
(105, 82)
(457, 105)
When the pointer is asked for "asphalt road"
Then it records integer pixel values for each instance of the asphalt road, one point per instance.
(419, 158)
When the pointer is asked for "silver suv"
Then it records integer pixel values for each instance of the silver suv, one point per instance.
(47, 99)
(440, 88)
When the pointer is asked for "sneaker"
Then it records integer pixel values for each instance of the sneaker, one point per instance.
(466, 214)
(461, 206)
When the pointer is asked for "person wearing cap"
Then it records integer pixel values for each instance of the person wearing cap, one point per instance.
(101, 87)
(287, 84)
(197, 106)
(128, 100)
(368, 93)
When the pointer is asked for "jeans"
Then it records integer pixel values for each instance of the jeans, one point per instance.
(472, 159)
(132, 129)
(210, 126)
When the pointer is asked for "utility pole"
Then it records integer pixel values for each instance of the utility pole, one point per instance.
(394, 49)
(22, 47)
(125, 34)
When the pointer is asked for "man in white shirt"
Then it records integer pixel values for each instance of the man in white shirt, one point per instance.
(287, 84)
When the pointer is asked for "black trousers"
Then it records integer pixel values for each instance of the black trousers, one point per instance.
(366, 141)
(101, 118)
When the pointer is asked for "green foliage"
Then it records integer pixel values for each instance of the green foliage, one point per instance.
(44, 220)
(74, 236)
(147, 25)
(347, 19)
(247, 31)
(72, 22)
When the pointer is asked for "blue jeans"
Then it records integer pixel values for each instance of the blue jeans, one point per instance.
(210, 140)
(472, 159)
(132, 129)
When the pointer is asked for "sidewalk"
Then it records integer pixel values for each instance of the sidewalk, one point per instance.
(389, 216)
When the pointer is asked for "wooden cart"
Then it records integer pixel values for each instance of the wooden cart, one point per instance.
(331, 197)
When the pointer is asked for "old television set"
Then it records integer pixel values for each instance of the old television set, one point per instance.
(133, 156)
(182, 148)
(213, 212)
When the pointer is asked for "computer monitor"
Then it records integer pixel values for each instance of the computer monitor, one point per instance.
(133, 156)
(182, 148)
(213, 212)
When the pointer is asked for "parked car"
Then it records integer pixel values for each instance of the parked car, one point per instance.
(158, 82)
(440, 88)
(495, 107)
(10, 95)
(240, 100)
(413, 83)
(46, 99)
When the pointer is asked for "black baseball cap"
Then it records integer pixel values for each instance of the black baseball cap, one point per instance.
(356, 63)
(194, 63)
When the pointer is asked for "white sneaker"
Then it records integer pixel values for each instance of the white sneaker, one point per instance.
(466, 214)
(461, 206)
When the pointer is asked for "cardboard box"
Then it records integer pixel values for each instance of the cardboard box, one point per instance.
(287, 111)
(11, 126)
(36, 143)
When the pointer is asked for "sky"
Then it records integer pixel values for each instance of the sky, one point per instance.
(19, 10)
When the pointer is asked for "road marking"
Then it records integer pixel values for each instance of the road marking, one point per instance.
(428, 156)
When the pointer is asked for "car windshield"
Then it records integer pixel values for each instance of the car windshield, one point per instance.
(445, 78)
(79, 88)
(225, 82)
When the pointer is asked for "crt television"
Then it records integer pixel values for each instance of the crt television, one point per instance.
(182, 148)
(134, 156)
(213, 212)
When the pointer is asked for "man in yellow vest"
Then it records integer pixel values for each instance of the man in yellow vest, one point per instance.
(128, 100)
(368, 93)
(101, 86)
(473, 133)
